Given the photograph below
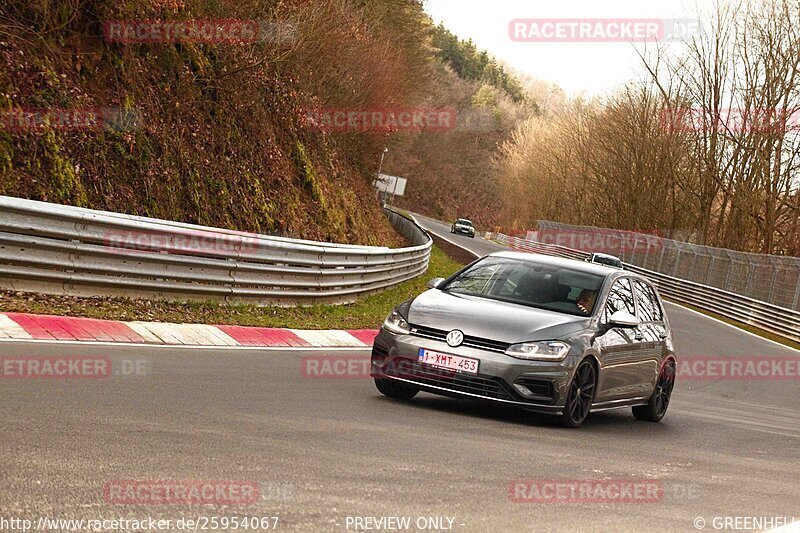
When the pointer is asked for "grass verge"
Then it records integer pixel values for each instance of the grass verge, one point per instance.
(366, 313)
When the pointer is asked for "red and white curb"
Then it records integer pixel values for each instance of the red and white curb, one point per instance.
(24, 326)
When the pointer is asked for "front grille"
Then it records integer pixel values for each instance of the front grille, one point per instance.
(481, 386)
(473, 342)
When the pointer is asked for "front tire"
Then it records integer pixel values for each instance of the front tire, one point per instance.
(580, 395)
(395, 389)
(657, 406)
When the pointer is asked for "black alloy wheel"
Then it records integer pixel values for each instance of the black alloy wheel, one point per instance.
(580, 396)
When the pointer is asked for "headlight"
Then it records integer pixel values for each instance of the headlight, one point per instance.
(396, 323)
(543, 351)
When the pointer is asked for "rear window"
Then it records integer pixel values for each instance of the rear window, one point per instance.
(529, 283)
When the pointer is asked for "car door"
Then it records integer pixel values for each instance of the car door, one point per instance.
(653, 332)
(620, 348)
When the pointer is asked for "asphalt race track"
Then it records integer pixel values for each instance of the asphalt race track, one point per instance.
(323, 450)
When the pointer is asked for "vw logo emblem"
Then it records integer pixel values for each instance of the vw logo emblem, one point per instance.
(455, 338)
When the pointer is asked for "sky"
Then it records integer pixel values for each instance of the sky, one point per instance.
(588, 68)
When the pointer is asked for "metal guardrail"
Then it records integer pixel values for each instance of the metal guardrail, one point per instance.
(59, 249)
(774, 279)
(769, 317)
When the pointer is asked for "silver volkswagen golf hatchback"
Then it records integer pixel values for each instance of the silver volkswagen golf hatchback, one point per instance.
(551, 335)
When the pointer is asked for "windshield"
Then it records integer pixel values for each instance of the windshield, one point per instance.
(463, 222)
(529, 283)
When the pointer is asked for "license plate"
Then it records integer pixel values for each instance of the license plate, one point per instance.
(448, 361)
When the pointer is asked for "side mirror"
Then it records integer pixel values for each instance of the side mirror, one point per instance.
(623, 319)
(435, 282)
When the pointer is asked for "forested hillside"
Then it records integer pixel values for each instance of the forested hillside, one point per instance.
(222, 132)
(452, 173)
(208, 132)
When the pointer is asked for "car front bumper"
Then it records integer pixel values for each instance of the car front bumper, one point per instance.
(396, 356)
(465, 231)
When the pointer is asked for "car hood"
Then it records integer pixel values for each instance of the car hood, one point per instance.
(490, 319)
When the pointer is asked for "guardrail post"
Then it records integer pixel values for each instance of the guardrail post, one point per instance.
(677, 261)
(635, 244)
(710, 270)
(748, 289)
(772, 284)
(660, 267)
(728, 273)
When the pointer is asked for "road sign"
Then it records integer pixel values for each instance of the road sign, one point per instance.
(391, 184)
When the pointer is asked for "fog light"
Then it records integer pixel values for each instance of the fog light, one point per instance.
(525, 391)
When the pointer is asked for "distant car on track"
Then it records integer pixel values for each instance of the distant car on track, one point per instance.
(605, 259)
(464, 227)
(546, 334)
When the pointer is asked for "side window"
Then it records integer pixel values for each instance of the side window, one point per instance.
(620, 298)
(648, 302)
